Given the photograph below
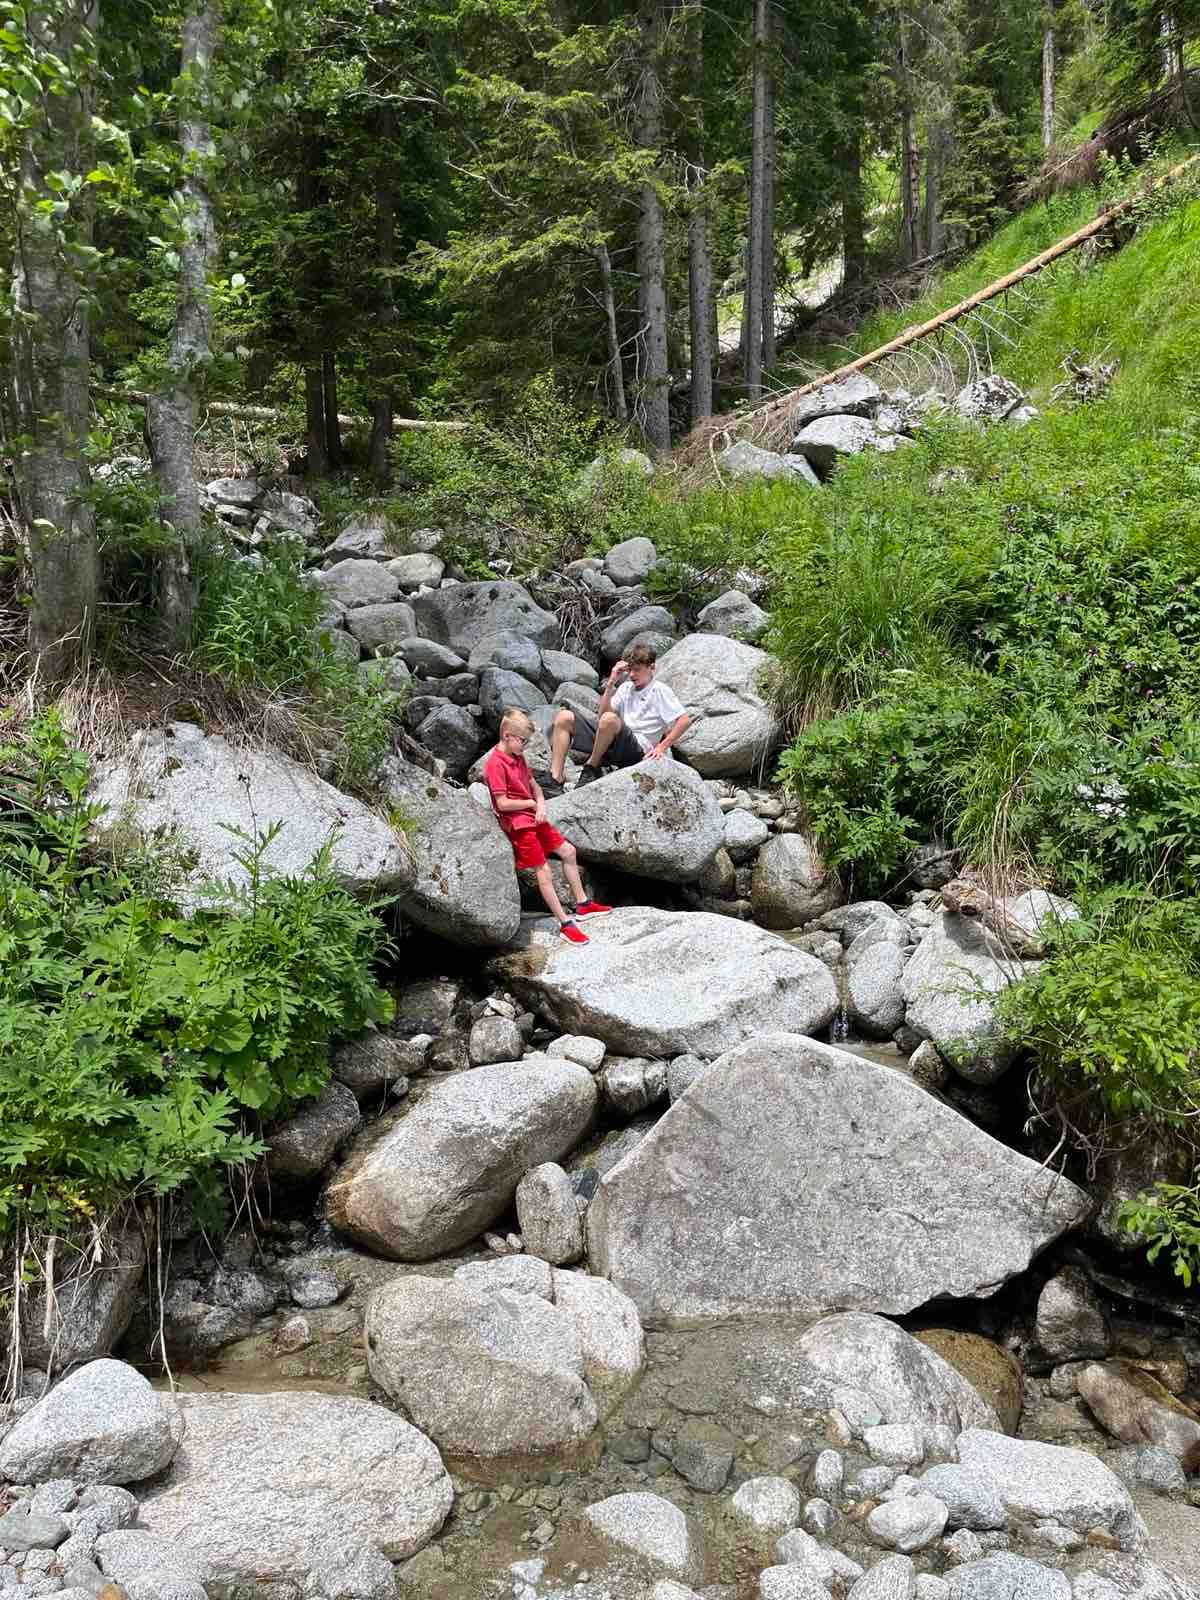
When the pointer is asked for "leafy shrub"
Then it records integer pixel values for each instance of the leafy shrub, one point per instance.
(140, 1048)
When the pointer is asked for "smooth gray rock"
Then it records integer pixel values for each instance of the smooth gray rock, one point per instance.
(909, 1523)
(648, 1526)
(895, 1444)
(631, 1084)
(494, 1039)
(631, 561)
(92, 1305)
(265, 1485)
(463, 615)
(1134, 1407)
(729, 981)
(735, 615)
(790, 1583)
(578, 697)
(510, 650)
(1007, 1577)
(1111, 1576)
(658, 820)
(357, 583)
(621, 633)
(182, 783)
(501, 691)
(852, 1186)
(988, 399)
(233, 491)
(1037, 1481)
(746, 460)
(547, 1215)
(23, 1528)
(382, 627)
(828, 1474)
(1152, 1466)
(439, 1172)
(410, 572)
(744, 834)
(304, 1145)
(343, 645)
(464, 887)
(1071, 1320)
(151, 1567)
(874, 993)
(720, 682)
(451, 733)
(791, 884)
(947, 987)
(491, 1372)
(824, 443)
(855, 396)
(610, 1335)
(682, 1073)
(578, 1047)
(558, 667)
(377, 1061)
(968, 1496)
(102, 1424)
(429, 658)
(368, 536)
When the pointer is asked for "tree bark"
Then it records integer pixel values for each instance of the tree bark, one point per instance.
(935, 166)
(651, 240)
(768, 227)
(615, 376)
(50, 355)
(317, 465)
(382, 401)
(1048, 68)
(910, 158)
(755, 253)
(171, 411)
(854, 230)
(700, 273)
(329, 395)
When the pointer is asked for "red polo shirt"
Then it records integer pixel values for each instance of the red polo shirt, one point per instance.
(509, 776)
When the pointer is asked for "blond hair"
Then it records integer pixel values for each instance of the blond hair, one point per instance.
(514, 721)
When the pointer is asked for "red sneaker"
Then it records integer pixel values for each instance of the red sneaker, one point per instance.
(572, 934)
(591, 908)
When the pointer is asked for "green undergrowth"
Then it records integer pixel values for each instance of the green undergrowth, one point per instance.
(143, 1050)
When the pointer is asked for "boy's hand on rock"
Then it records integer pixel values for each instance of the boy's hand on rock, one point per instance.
(657, 753)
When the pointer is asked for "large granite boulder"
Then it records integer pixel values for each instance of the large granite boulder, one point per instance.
(102, 1424)
(91, 1307)
(621, 633)
(665, 983)
(954, 972)
(720, 681)
(853, 396)
(182, 784)
(304, 1144)
(436, 1172)
(1135, 1407)
(796, 1178)
(382, 627)
(1039, 1481)
(466, 613)
(358, 582)
(746, 460)
(824, 443)
(658, 820)
(905, 1380)
(492, 1367)
(266, 1487)
(465, 887)
(791, 885)
(735, 615)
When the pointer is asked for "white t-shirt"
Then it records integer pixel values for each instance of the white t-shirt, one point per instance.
(648, 712)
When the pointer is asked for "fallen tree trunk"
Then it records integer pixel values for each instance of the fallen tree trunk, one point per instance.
(980, 297)
(222, 408)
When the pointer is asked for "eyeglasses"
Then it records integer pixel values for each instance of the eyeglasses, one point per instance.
(520, 738)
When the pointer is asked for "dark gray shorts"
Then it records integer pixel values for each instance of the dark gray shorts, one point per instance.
(624, 751)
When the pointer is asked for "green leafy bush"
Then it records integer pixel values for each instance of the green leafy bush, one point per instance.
(139, 1048)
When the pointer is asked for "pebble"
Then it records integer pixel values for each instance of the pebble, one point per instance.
(1055, 1537)
(963, 1545)
(817, 1517)
(872, 1483)
(768, 1505)
(827, 1475)
(907, 1524)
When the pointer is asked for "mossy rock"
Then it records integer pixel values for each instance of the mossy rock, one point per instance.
(991, 1370)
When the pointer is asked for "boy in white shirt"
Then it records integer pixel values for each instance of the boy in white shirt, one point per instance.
(638, 720)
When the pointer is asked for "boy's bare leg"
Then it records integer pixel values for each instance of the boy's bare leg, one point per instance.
(607, 730)
(545, 883)
(566, 854)
(560, 742)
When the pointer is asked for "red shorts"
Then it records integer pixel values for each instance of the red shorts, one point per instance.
(531, 846)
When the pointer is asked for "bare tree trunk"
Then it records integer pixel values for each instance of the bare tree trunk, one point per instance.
(50, 355)
(854, 233)
(382, 402)
(329, 392)
(935, 166)
(314, 423)
(651, 240)
(910, 158)
(700, 273)
(755, 253)
(171, 410)
(616, 378)
(768, 227)
(1048, 68)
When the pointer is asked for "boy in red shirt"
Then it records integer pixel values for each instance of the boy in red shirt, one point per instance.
(521, 810)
